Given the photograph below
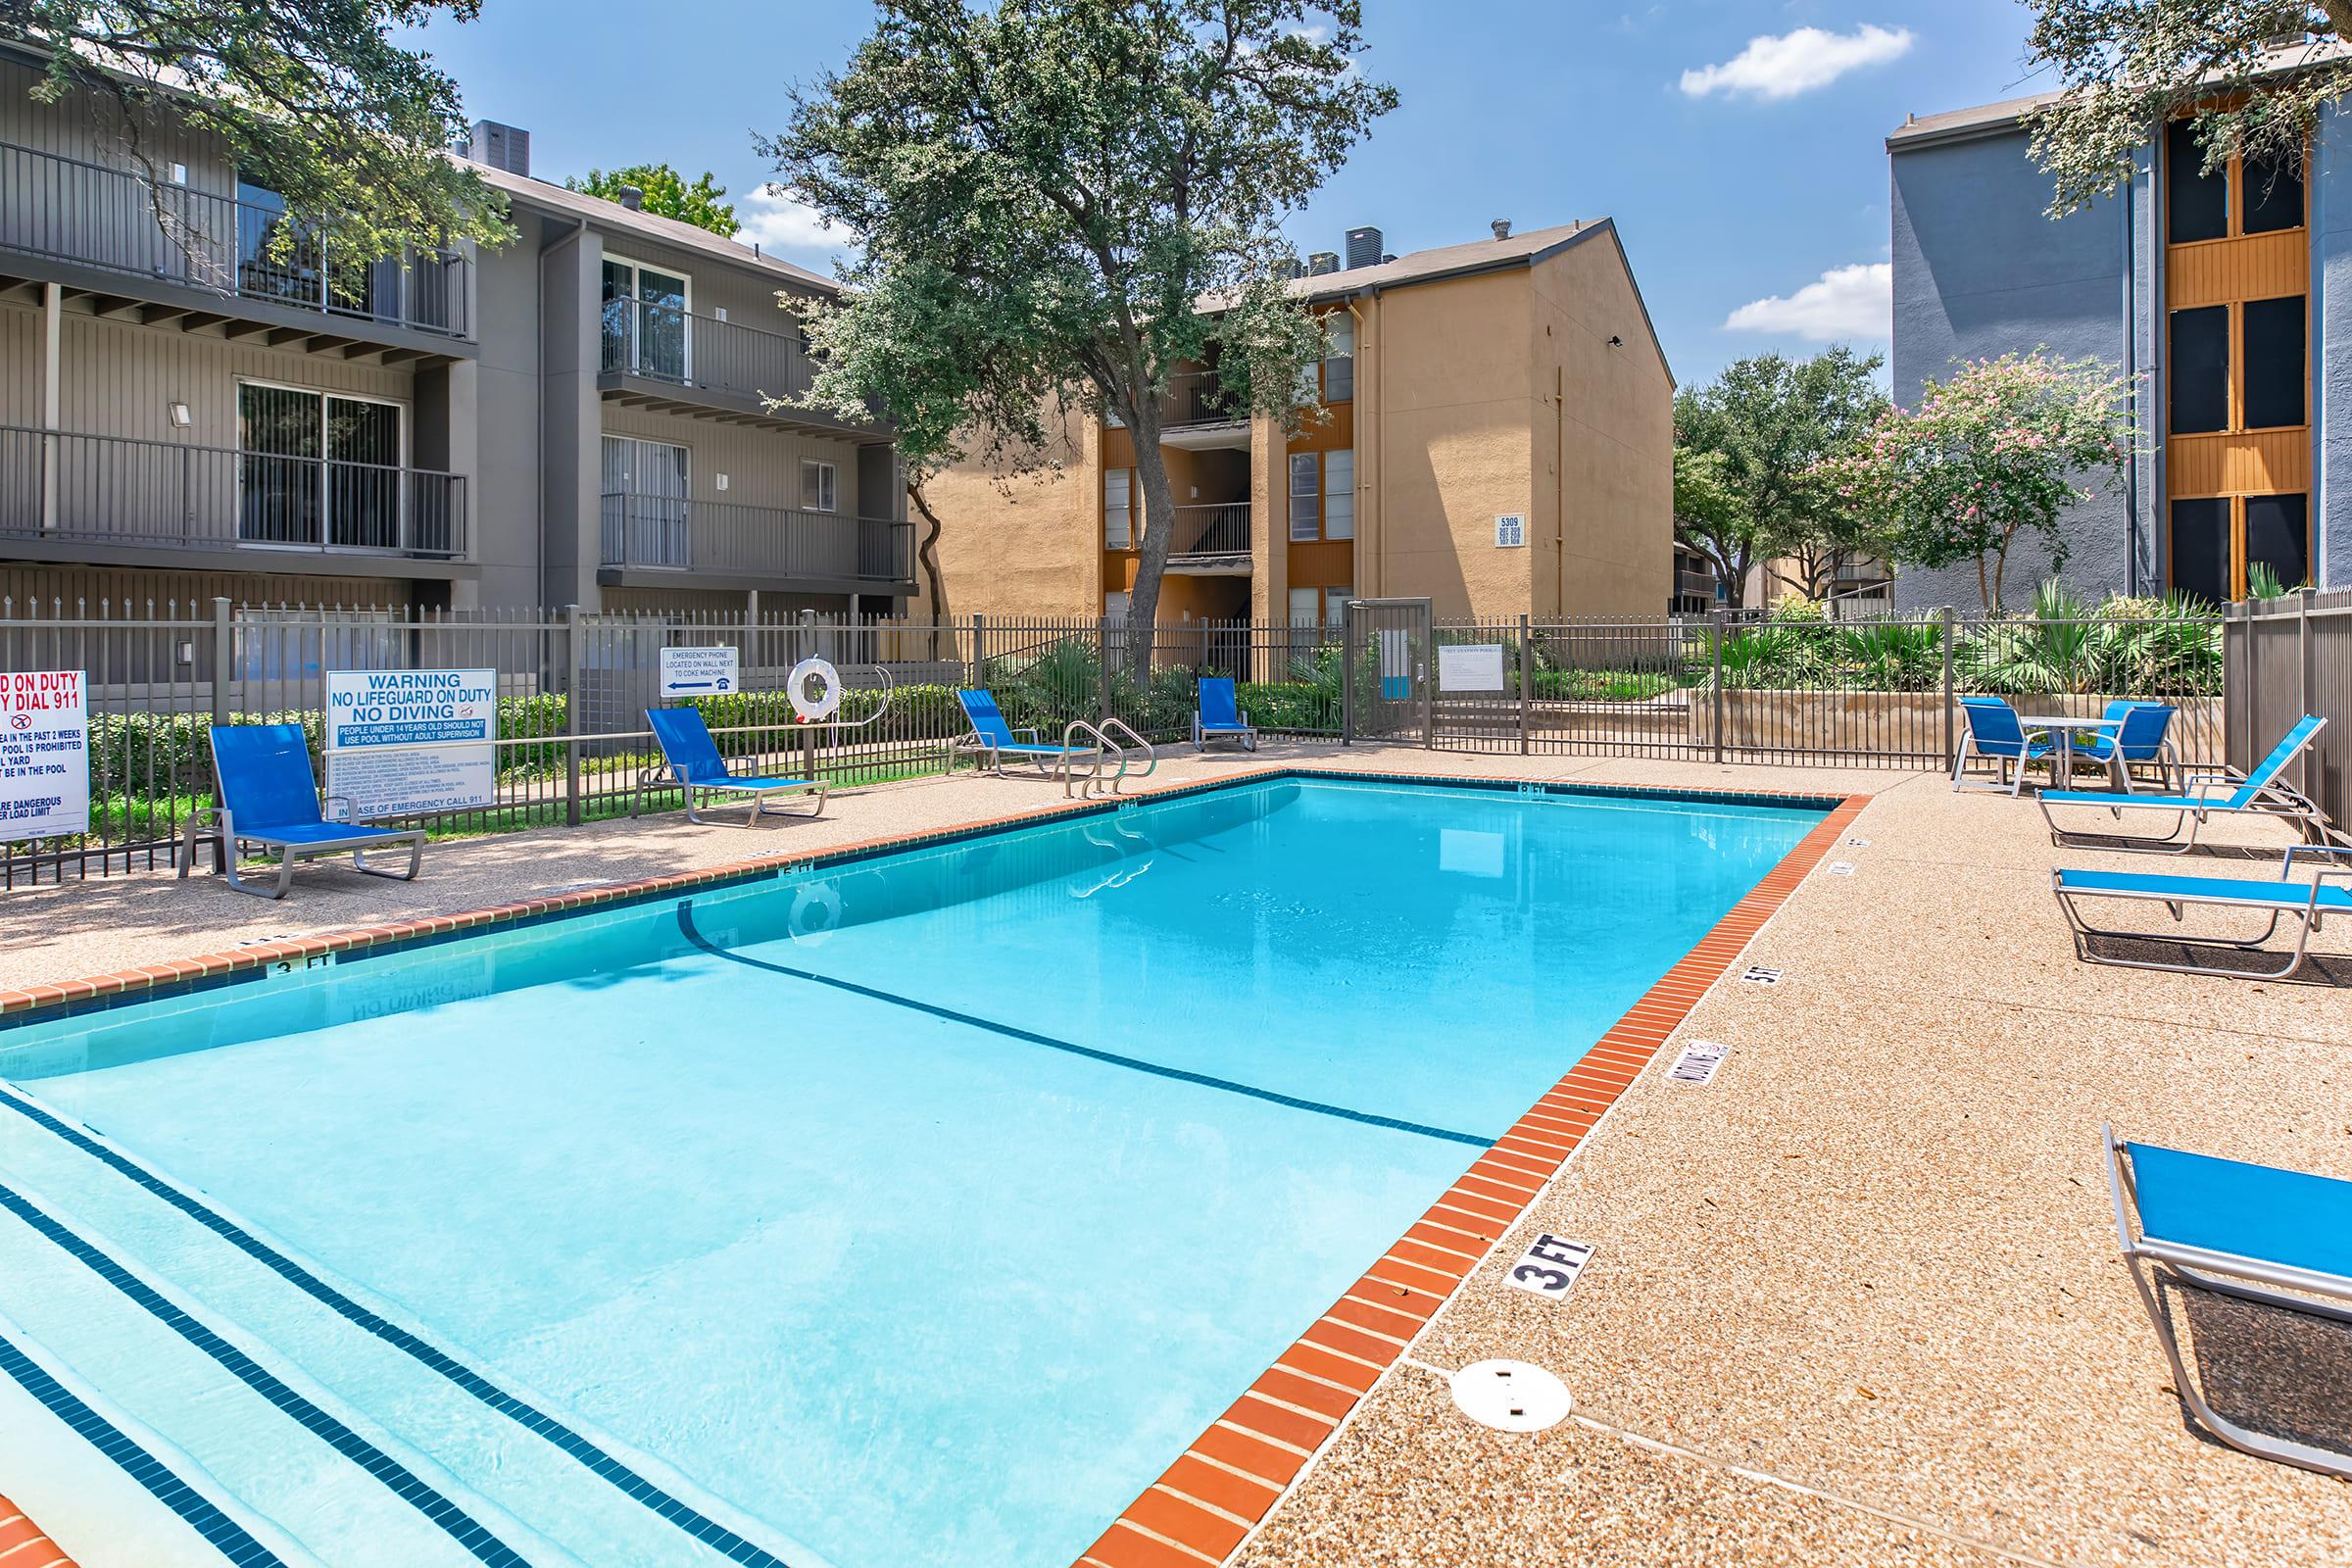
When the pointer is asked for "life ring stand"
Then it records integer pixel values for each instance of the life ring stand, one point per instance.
(814, 710)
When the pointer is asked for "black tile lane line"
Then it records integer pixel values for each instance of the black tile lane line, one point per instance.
(684, 1515)
(230, 1539)
(1032, 1038)
(397, 1478)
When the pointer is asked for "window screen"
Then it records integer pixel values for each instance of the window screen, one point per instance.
(1118, 515)
(1334, 606)
(2200, 370)
(1303, 603)
(2275, 339)
(1338, 367)
(2273, 195)
(817, 487)
(1339, 504)
(1304, 486)
(2197, 205)
(2201, 549)
(2279, 532)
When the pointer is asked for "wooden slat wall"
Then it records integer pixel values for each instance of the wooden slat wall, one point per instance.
(2260, 462)
(2257, 267)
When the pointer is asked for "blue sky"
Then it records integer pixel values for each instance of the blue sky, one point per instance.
(1739, 143)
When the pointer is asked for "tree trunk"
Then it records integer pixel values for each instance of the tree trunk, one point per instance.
(1159, 534)
(923, 552)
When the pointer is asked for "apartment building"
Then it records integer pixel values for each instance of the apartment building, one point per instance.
(2214, 290)
(1493, 430)
(197, 399)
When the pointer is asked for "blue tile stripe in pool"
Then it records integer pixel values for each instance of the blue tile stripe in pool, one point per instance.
(403, 1483)
(1030, 1037)
(230, 1539)
(688, 1518)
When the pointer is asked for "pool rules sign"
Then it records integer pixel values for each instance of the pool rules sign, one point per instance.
(407, 742)
(44, 754)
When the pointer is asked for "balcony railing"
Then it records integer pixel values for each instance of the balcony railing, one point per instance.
(109, 490)
(669, 533)
(1197, 397)
(121, 221)
(1694, 584)
(664, 343)
(1221, 529)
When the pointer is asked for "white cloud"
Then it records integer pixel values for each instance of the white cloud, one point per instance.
(1846, 303)
(1799, 62)
(782, 226)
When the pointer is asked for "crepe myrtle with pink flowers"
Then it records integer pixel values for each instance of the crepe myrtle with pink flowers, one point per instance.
(2000, 448)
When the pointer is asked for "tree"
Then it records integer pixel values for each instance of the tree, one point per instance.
(1771, 420)
(1708, 519)
(1047, 195)
(2126, 69)
(1997, 450)
(666, 195)
(313, 99)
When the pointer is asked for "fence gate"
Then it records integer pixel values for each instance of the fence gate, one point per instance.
(1388, 679)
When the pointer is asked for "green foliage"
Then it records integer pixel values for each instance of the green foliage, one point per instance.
(2263, 581)
(2124, 68)
(317, 100)
(666, 194)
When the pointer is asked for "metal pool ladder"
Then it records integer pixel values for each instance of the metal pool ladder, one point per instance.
(1110, 757)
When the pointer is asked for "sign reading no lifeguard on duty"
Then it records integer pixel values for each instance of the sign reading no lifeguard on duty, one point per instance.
(401, 742)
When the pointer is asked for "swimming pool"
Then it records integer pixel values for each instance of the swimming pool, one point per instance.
(915, 1209)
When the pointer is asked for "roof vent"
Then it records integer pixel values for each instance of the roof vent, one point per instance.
(1320, 261)
(1363, 248)
(631, 197)
(1501, 228)
(500, 146)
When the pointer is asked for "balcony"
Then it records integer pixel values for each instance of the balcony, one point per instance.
(1212, 541)
(652, 539)
(200, 257)
(658, 356)
(106, 499)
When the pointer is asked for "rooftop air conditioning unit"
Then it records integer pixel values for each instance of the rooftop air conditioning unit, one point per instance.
(1320, 261)
(506, 147)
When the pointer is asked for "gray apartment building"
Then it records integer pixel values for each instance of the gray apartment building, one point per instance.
(2222, 292)
(191, 406)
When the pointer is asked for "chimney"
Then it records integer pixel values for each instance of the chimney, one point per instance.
(500, 146)
(1363, 248)
(1501, 228)
(631, 197)
(1320, 261)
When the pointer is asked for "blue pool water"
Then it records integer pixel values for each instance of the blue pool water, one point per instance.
(920, 1211)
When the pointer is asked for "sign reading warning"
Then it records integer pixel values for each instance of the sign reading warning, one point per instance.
(44, 754)
(408, 742)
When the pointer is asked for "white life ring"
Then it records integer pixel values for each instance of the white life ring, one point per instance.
(796, 687)
(816, 912)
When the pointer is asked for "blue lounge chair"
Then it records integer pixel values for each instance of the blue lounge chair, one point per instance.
(270, 799)
(690, 761)
(2280, 1237)
(2308, 904)
(1215, 717)
(1990, 732)
(2261, 793)
(992, 741)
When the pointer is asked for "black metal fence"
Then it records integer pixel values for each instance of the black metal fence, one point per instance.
(571, 742)
(2286, 658)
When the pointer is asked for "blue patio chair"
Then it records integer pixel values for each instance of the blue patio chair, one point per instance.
(690, 761)
(2278, 1237)
(2140, 738)
(1990, 732)
(2260, 792)
(268, 798)
(1215, 717)
(992, 741)
(2307, 904)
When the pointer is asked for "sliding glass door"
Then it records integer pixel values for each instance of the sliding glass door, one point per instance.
(319, 468)
(645, 504)
(645, 321)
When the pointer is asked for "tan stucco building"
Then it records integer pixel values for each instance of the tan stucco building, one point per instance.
(1497, 436)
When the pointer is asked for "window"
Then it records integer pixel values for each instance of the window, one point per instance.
(320, 469)
(645, 321)
(816, 485)
(2196, 204)
(1339, 502)
(2200, 370)
(1305, 603)
(2273, 196)
(2201, 549)
(2216, 541)
(1118, 509)
(2279, 536)
(1339, 370)
(645, 504)
(1334, 606)
(2274, 337)
(1305, 486)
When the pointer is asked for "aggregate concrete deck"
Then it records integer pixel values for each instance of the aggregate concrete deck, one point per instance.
(1855, 1303)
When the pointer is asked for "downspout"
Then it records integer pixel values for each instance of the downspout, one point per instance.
(539, 415)
(2132, 379)
(1368, 543)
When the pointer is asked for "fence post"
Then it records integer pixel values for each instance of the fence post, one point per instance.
(1103, 668)
(1347, 672)
(972, 676)
(1715, 624)
(225, 656)
(1950, 739)
(2304, 682)
(572, 720)
(1526, 676)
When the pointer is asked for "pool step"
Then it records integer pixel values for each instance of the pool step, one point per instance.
(574, 1492)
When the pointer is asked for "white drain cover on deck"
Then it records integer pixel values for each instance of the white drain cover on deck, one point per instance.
(1510, 1396)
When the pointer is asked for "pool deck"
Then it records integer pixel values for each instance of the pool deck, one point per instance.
(1856, 1301)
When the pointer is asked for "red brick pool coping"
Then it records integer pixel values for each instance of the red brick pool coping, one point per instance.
(1203, 1509)
(1200, 1511)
